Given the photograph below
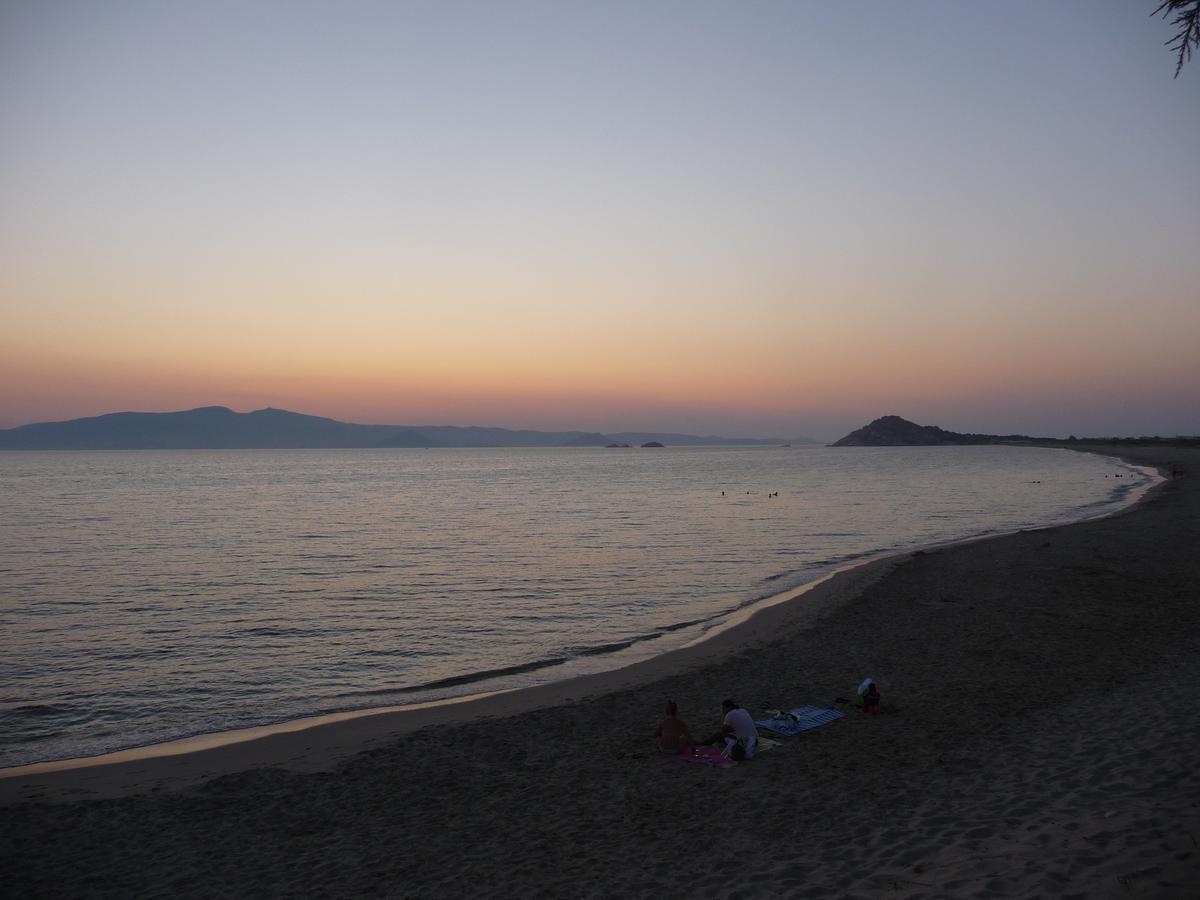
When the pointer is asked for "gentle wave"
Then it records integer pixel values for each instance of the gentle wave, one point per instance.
(469, 678)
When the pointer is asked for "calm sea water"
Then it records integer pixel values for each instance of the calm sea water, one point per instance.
(146, 596)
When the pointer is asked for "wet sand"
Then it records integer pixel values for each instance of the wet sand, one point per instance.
(1038, 739)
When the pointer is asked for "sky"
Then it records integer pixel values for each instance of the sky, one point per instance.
(765, 219)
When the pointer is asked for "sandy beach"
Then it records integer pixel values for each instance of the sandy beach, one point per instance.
(1038, 740)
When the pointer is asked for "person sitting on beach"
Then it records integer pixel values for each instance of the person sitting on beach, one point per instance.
(737, 734)
(860, 697)
(672, 734)
(871, 699)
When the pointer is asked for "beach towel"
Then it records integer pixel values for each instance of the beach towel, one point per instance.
(802, 718)
(705, 756)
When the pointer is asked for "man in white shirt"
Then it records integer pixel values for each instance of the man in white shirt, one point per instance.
(737, 733)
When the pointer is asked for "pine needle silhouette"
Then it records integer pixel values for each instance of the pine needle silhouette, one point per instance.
(1187, 18)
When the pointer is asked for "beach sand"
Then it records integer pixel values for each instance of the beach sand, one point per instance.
(1039, 739)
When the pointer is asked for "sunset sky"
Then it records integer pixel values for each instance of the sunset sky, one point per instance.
(750, 219)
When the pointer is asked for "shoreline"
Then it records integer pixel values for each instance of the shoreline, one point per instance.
(1036, 741)
(331, 737)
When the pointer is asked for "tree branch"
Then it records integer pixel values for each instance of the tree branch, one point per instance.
(1188, 21)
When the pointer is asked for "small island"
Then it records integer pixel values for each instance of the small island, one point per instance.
(893, 431)
(652, 444)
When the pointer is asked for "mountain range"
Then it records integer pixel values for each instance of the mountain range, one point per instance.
(217, 427)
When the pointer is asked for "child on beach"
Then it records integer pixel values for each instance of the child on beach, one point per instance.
(867, 697)
(672, 734)
(871, 699)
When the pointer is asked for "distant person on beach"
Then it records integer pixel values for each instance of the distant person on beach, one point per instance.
(871, 699)
(672, 734)
(868, 696)
(737, 733)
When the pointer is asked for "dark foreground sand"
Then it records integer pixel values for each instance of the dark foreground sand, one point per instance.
(1041, 738)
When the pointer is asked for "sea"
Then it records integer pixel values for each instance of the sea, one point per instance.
(147, 596)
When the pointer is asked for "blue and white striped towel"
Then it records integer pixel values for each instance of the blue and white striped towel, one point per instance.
(802, 718)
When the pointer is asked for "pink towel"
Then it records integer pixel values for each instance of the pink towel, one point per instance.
(709, 756)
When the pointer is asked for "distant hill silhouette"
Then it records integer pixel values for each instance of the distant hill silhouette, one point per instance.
(893, 431)
(210, 427)
(220, 428)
